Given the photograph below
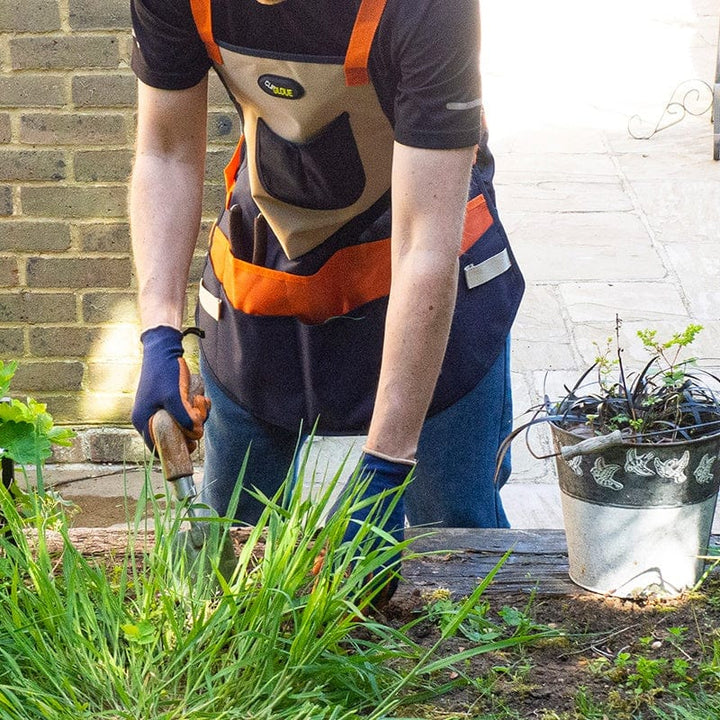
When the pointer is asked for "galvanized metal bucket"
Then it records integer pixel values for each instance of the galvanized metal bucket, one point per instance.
(637, 518)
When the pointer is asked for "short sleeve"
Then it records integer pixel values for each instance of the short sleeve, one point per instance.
(432, 47)
(168, 52)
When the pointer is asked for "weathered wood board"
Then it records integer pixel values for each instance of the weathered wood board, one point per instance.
(455, 559)
(458, 558)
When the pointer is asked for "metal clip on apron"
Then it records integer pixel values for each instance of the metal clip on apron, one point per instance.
(294, 293)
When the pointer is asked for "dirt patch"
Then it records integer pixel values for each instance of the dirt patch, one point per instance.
(616, 658)
(98, 511)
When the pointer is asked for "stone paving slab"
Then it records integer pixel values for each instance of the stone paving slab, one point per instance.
(603, 224)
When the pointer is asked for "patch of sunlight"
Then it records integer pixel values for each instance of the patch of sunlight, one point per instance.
(565, 63)
(112, 366)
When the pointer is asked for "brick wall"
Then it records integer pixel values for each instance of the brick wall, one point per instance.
(67, 117)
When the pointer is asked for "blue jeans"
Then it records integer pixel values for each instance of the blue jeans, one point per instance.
(453, 484)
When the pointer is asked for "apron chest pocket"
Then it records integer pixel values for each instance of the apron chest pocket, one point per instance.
(324, 173)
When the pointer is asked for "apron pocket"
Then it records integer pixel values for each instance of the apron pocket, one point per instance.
(324, 173)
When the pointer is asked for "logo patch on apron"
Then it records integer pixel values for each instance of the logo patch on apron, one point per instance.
(281, 87)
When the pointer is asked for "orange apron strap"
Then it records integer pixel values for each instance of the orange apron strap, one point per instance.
(353, 276)
(202, 14)
(358, 52)
(478, 221)
(231, 170)
(364, 271)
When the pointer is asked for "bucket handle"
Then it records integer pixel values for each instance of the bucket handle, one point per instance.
(592, 445)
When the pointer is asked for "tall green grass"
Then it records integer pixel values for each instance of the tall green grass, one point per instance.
(159, 640)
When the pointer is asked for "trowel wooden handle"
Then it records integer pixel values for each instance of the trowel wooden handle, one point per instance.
(170, 441)
(171, 446)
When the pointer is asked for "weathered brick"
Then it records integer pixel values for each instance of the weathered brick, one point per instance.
(104, 90)
(218, 96)
(31, 307)
(74, 453)
(6, 200)
(126, 44)
(105, 237)
(74, 202)
(112, 445)
(107, 377)
(106, 307)
(20, 165)
(31, 91)
(5, 128)
(116, 343)
(76, 129)
(29, 15)
(103, 165)
(215, 162)
(8, 272)
(191, 304)
(65, 408)
(213, 199)
(12, 343)
(45, 376)
(28, 236)
(223, 127)
(68, 341)
(196, 268)
(105, 408)
(99, 14)
(63, 52)
(82, 272)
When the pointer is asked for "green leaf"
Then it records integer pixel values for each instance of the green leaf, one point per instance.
(141, 633)
(7, 370)
(15, 411)
(20, 442)
(27, 432)
(61, 436)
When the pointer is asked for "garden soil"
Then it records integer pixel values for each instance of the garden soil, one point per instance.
(547, 679)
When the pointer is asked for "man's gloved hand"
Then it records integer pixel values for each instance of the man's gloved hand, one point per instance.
(165, 383)
(386, 474)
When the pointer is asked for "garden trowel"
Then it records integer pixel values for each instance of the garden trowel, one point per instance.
(204, 540)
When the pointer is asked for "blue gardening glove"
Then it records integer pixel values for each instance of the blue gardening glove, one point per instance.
(385, 474)
(165, 383)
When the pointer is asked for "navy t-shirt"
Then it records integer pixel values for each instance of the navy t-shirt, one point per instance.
(424, 61)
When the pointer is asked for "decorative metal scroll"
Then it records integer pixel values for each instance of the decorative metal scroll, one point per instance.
(688, 98)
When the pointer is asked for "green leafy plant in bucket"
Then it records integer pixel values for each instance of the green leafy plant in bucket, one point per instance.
(670, 399)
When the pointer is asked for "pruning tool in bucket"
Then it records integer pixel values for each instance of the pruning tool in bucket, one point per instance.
(204, 539)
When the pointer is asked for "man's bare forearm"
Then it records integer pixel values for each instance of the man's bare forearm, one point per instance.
(415, 340)
(166, 201)
(428, 213)
(164, 232)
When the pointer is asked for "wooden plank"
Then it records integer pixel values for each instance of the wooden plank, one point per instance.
(456, 559)
(98, 542)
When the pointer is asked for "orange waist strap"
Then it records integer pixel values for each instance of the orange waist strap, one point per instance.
(352, 277)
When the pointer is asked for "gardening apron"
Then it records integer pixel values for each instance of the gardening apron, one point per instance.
(294, 291)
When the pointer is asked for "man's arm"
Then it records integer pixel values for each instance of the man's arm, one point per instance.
(429, 193)
(166, 197)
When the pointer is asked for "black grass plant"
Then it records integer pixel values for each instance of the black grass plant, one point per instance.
(669, 400)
